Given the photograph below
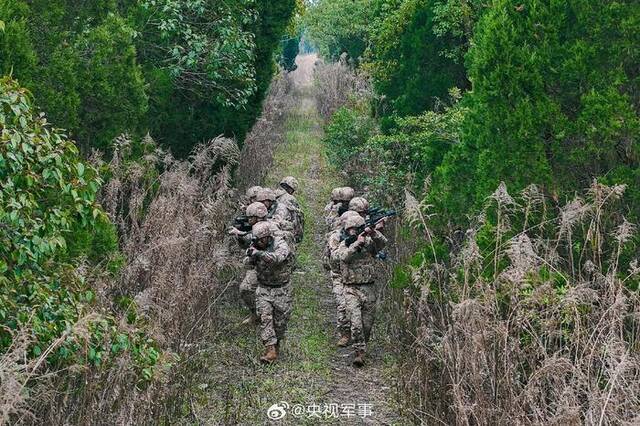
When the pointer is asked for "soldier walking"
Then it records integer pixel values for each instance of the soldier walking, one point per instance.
(272, 259)
(333, 265)
(284, 196)
(278, 214)
(255, 213)
(357, 256)
(339, 204)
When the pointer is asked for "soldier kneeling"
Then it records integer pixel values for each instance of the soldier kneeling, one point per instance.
(273, 260)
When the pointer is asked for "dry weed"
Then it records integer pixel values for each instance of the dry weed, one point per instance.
(538, 327)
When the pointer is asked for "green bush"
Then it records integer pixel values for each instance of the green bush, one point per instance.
(554, 101)
(412, 148)
(340, 26)
(346, 135)
(50, 224)
(186, 71)
(290, 48)
(416, 52)
(112, 87)
(17, 53)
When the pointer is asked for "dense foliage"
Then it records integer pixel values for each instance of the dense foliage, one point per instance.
(50, 225)
(554, 97)
(554, 100)
(506, 305)
(340, 26)
(184, 70)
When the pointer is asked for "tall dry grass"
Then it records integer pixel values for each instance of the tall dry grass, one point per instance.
(533, 318)
(172, 227)
(171, 216)
(267, 133)
(336, 85)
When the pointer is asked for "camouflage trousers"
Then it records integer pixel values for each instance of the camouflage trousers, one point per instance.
(247, 288)
(342, 319)
(360, 301)
(274, 306)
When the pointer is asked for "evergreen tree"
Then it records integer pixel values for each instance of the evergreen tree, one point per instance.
(554, 101)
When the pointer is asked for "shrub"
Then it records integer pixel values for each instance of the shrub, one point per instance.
(47, 191)
(111, 84)
(531, 319)
(411, 149)
(184, 70)
(346, 136)
(339, 26)
(53, 236)
(416, 52)
(290, 48)
(553, 102)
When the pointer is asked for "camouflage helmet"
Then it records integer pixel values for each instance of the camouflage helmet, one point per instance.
(253, 191)
(359, 204)
(346, 215)
(262, 229)
(291, 182)
(257, 210)
(265, 194)
(344, 193)
(353, 221)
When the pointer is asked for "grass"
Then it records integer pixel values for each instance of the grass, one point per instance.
(236, 388)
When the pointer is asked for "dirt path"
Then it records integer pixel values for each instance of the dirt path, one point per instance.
(313, 382)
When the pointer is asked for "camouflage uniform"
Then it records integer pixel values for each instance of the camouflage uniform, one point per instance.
(283, 196)
(249, 283)
(359, 205)
(295, 211)
(273, 295)
(249, 197)
(248, 287)
(357, 267)
(331, 214)
(340, 197)
(342, 319)
(332, 264)
(279, 214)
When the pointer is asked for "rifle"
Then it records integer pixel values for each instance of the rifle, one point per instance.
(241, 223)
(371, 222)
(375, 211)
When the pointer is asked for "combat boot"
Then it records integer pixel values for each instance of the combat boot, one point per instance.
(358, 360)
(270, 355)
(344, 340)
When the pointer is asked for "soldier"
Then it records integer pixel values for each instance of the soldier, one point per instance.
(333, 265)
(357, 267)
(256, 212)
(284, 195)
(272, 259)
(278, 213)
(249, 196)
(252, 192)
(359, 205)
(340, 198)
